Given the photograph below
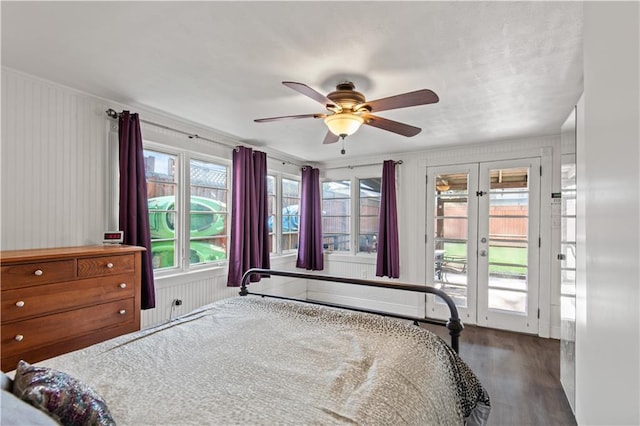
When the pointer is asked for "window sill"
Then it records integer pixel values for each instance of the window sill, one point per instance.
(368, 258)
(176, 277)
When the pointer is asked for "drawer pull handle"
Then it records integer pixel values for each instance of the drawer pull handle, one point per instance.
(19, 337)
(122, 312)
(38, 272)
(123, 285)
(20, 303)
(109, 265)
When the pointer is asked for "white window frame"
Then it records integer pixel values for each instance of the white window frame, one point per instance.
(277, 226)
(354, 220)
(358, 220)
(352, 208)
(183, 199)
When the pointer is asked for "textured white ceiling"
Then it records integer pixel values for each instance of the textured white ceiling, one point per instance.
(501, 69)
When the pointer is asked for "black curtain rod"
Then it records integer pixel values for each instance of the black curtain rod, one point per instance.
(360, 165)
(115, 115)
(112, 113)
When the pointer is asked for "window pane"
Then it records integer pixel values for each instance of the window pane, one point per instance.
(336, 215)
(369, 204)
(206, 250)
(336, 207)
(207, 212)
(290, 214)
(271, 199)
(161, 174)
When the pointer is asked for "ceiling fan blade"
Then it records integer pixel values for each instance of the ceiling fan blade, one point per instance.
(419, 97)
(390, 125)
(331, 138)
(308, 91)
(289, 117)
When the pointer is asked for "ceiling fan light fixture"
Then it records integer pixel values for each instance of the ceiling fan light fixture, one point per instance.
(343, 124)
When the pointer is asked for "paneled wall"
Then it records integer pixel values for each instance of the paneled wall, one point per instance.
(54, 173)
(58, 181)
(198, 289)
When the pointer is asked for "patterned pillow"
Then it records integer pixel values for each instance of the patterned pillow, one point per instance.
(64, 398)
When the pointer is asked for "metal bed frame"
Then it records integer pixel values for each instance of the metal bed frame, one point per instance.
(454, 324)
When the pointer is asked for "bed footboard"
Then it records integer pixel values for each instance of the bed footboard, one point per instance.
(454, 325)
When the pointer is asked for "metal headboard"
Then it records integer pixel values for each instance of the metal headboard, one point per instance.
(454, 324)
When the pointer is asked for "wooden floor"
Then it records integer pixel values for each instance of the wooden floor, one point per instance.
(520, 372)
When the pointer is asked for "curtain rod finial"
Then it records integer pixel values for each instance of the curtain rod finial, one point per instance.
(112, 113)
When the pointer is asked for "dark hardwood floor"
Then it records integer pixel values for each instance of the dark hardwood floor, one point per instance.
(520, 372)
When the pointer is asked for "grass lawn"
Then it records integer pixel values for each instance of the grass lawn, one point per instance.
(511, 256)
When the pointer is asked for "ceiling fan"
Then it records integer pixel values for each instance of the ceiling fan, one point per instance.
(348, 109)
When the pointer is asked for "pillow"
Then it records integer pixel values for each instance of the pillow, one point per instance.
(5, 382)
(16, 412)
(64, 398)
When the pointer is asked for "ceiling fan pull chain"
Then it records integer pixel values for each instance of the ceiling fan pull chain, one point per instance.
(342, 151)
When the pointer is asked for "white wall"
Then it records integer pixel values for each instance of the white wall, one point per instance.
(607, 300)
(57, 181)
(46, 205)
(53, 168)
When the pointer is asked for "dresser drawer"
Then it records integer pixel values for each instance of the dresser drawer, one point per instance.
(30, 274)
(105, 265)
(28, 302)
(26, 335)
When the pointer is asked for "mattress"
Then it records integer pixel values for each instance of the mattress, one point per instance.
(254, 360)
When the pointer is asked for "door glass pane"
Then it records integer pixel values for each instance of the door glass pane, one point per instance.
(508, 239)
(451, 232)
(508, 300)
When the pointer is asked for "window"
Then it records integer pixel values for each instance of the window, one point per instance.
(207, 212)
(336, 215)
(290, 214)
(273, 202)
(568, 238)
(338, 222)
(287, 217)
(197, 204)
(369, 203)
(162, 187)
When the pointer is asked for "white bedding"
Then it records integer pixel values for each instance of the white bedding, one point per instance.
(249, 360)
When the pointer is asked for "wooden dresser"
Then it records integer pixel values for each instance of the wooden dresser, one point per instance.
(58, 300)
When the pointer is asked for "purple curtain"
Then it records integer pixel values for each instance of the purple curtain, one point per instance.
(388, 256)
(249, 243)
(310, 241)
(134, 213)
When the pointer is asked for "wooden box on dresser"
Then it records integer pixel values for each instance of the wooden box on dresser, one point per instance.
(57, 300)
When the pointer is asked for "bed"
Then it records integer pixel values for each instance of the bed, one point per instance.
(252, 359)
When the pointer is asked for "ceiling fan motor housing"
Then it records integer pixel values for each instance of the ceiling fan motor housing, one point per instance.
(346, 97)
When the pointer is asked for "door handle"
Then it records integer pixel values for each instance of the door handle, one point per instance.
(483, 253)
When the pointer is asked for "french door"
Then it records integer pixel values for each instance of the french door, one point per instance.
(483, 242)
